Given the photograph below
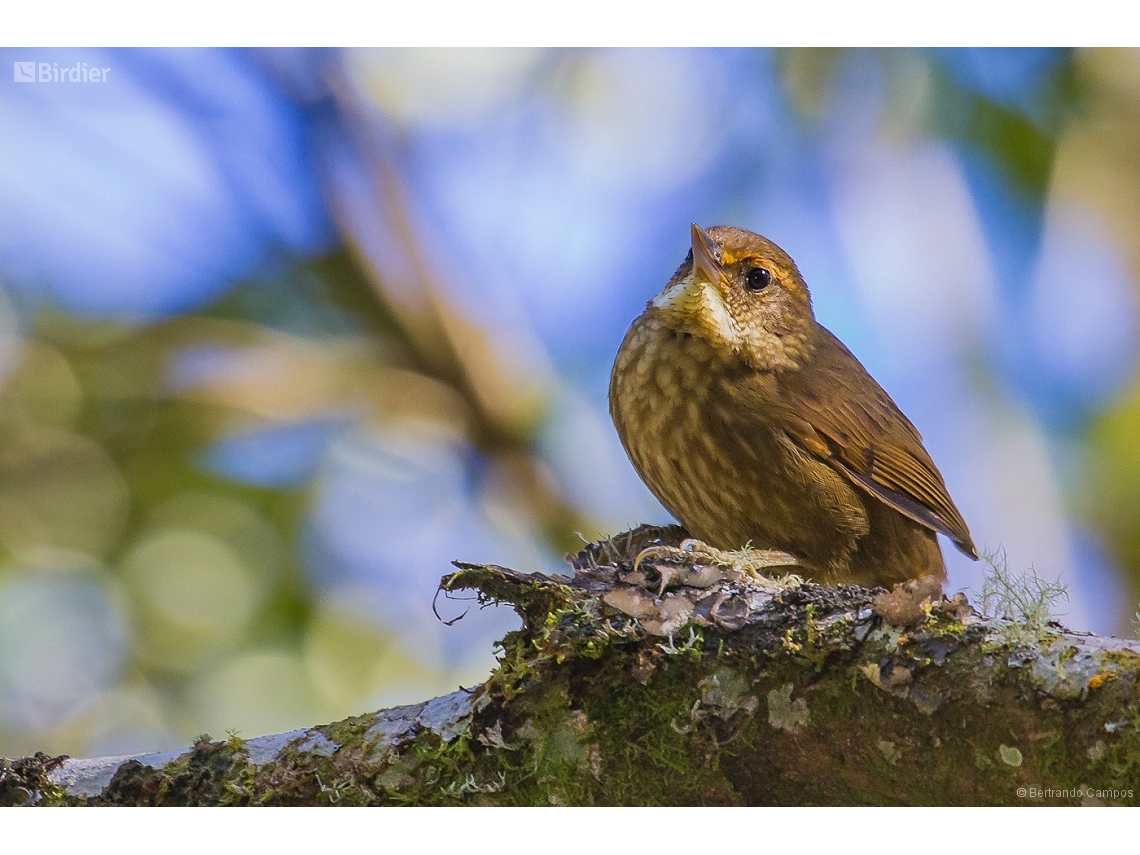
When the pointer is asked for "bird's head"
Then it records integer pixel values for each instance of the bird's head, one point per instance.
(742, 294)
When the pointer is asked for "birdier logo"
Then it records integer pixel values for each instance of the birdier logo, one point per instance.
(51, 72)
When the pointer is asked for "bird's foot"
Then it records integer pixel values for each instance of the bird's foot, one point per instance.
(747, 561)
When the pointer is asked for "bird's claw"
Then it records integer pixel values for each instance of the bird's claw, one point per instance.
(750, 562)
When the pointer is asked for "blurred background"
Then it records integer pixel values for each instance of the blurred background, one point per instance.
(284, 332)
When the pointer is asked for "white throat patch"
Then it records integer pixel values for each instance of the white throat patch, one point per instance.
(700, 303)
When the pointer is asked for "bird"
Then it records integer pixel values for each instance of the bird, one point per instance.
(756, 428)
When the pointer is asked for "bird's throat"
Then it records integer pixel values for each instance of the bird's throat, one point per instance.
(694, 306)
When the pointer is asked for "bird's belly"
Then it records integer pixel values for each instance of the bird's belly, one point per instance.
(726, 476)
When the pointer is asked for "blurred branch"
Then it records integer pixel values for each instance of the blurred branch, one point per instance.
(759, 693)
(447, 347)
(504, 403)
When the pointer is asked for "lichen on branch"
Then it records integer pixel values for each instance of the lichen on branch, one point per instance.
(679, 682)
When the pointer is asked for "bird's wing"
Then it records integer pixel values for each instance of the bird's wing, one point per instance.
(867, 438)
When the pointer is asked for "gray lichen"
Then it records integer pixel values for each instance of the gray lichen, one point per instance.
(785, 714)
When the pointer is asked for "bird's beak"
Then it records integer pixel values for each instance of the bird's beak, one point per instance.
(705, 265)
(696, 303)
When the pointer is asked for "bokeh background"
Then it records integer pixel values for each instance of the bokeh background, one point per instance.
(284, 332)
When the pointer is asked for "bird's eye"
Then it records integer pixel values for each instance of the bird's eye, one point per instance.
(757, 279)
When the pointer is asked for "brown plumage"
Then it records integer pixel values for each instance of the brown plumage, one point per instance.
(751, 423)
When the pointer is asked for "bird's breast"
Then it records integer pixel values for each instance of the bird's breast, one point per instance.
(671, 401)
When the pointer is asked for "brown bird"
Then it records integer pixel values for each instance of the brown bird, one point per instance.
(753, 424)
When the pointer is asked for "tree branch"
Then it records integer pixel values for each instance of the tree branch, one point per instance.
(688, 684)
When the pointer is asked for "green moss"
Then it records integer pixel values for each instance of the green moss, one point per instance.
(25, 781)
(653, 740)
(812, 701)
(350, 731)
(1117, 764)
(1053, 756)
(533, 596)
(1124, 660)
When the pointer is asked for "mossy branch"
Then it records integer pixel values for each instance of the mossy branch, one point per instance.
(751, 692)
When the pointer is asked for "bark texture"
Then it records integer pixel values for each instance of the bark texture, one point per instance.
(677, 683)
